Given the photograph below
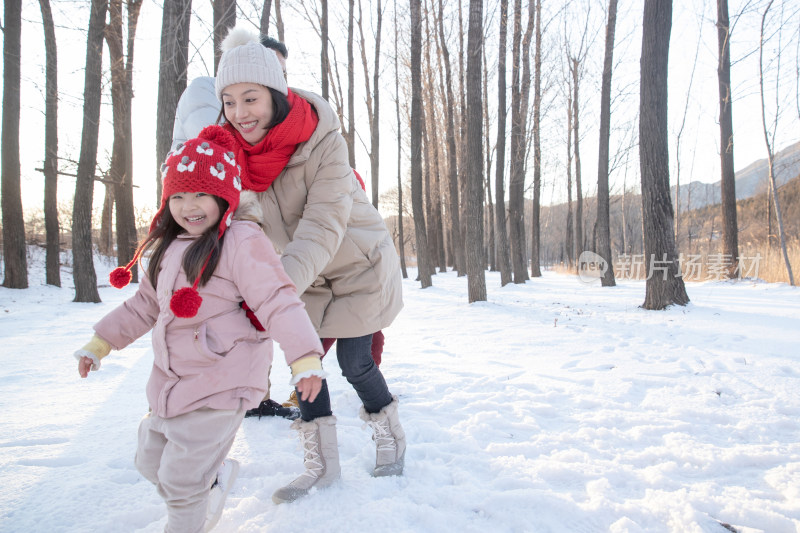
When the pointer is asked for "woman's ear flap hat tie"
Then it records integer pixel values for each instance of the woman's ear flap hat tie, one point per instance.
(205, 164)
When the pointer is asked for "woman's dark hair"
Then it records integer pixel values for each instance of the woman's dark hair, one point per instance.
(207, 245)
(280, 108)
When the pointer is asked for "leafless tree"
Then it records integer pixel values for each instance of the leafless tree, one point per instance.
(730, 227)
(372, 96)
(224, 20)
(423, 259)
(520, 91)
(664, 285)
(171, 75)
(122, 150)
(400, 237)
(350, 134)
(603, 225)
(83, 263)
(452, 155)
(769, 137)
(503, 252)
(279, 21)
(53, 246)
(537, 147)
(265, 13)
(476, 277)
(14, 252)
(324, 61)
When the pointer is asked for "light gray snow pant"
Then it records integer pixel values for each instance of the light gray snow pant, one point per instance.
(181, 456)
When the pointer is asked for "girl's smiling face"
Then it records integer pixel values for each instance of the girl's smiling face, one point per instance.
(195, 212)
(248, 108)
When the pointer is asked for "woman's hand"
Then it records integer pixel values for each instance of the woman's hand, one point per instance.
(308, 388)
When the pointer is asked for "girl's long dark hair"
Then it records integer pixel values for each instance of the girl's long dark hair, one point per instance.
(280, 109)
(207, 245)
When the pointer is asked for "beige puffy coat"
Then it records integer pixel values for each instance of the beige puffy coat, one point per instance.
(333, 243)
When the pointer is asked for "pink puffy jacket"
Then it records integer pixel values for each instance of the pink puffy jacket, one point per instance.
(215, 359)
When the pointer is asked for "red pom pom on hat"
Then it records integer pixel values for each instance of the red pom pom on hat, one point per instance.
(120, 277)
(185, 302)
(219, 135)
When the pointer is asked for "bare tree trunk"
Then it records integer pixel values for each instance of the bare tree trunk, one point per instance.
(452, 165)
(770, 153)
(489, 254)
(122, 150)
(83, 264)
(568, 244)
(400, 238)
(537, 146)
(324, 63)
(603, 223)
(664, 285)
(730, 228)
(171, 75)
(265, 13)
(14, 252)
(577, 152)
(53, 246)
(476, 277)
(351, 69)
(372, 98)
(105, 244)
(503, 253)
(516, 185)
(423, 260)
(224, 20)
(279, 21)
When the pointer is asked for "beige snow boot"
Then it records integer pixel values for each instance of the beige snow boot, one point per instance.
(320, 457)
(389, 437)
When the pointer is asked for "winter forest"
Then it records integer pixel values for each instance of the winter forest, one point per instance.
(596, 206)
(499, 136)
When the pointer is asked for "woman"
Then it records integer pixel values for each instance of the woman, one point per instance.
(333, 243)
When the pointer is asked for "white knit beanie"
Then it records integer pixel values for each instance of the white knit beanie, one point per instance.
(245, 60)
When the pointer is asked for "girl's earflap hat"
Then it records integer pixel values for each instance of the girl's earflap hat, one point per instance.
(245, 60)
(204, 164)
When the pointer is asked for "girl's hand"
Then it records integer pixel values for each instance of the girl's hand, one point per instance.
(84, 366)
(309, 388)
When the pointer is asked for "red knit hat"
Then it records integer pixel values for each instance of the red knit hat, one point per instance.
(204, 164)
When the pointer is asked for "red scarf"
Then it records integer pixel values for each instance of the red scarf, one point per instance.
(263, 162)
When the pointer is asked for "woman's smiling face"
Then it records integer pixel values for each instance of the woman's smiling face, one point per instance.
(248, 108)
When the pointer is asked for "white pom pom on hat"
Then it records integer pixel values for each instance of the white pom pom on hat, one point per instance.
(245, 60)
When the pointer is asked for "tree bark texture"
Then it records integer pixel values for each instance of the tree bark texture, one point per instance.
(400, 237)
(265, 14)
(14, 249)
(603, 225)
(664, 285)
(516, 185)
(171, 76)
(577, 156)
(351, 69)
(452, 155)
(423, 260)
(730, 229)
(537, 146)
(224, 20)
(122, 149)
(476, 277)
(503, 253)
(323, 28)
(53, 245)
(83, 265)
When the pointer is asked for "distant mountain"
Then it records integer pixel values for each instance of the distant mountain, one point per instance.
(750, 181)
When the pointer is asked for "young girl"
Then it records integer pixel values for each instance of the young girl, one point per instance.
(210, 362)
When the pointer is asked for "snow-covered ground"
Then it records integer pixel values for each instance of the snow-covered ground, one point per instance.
(556, 406)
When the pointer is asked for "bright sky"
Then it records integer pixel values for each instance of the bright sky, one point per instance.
(699, 145)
